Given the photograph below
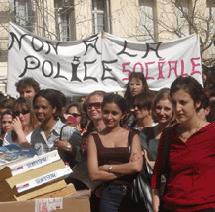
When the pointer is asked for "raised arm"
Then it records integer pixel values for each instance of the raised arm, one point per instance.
(21, 137)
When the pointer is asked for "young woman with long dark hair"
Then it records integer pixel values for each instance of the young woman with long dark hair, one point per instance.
(110, 158)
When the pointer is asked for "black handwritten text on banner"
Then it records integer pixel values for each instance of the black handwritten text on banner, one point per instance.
(98, 62)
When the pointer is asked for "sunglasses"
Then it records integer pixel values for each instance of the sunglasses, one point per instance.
(23, 112)
(96, 105)
(76, 115)
(139, 106)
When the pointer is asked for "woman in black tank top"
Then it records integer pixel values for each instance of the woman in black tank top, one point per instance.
(109, 157)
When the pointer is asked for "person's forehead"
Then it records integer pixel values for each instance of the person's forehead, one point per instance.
(28, 87)
(73, 108)
(95, 98)
(7, 116)
(135, 80)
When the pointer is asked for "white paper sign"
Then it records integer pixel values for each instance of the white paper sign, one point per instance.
(48, 204)
(98, 62)
(35, 162)
(51, 176)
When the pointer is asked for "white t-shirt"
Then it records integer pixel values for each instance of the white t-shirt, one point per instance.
(9, 140)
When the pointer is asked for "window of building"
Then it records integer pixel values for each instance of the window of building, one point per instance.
(101, 16)
(4, 19)
(147, 20)
(210, 14)
(211, 8)
(3, 49)
(210, 3)
(23, 13)
(181, 13)
(65, 20)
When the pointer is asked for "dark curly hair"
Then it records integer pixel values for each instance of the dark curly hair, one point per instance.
(55, 98)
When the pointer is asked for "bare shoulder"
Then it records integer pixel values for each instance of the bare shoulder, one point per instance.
(125, 133)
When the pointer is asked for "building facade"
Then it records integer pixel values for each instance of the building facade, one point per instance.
(140, 20)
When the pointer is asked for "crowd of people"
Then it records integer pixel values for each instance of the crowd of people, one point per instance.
(171, 132)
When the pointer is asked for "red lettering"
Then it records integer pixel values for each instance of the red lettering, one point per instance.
(138, 64)
(194, 65)
(182, 69)
(147, 70)
(172, 68)
(124, 70)
(160, 69)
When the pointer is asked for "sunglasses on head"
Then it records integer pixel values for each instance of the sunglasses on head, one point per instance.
(23, 112)
(96, 105)
(76, 115)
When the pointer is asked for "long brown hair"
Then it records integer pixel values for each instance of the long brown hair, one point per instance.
(22, 103)
(139, 76)
(163, 94)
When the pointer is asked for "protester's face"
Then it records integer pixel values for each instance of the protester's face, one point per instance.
(163, 111)
(6, 122)
(111, 115)
(43, 110)
(183, 106)
(135, 86)
(24, 115)
(28, 92)
(94, 107)
(73, 111)
(141, 112)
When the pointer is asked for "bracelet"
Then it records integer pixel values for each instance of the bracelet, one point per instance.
(110, 168)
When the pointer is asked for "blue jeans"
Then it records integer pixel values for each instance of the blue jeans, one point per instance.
(112, 197)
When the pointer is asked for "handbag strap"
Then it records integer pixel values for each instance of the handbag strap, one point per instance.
(61, 132)
(97, 140)
(167, 135)
(131, 134)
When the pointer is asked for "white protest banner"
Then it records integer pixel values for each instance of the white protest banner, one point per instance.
(100, 62)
